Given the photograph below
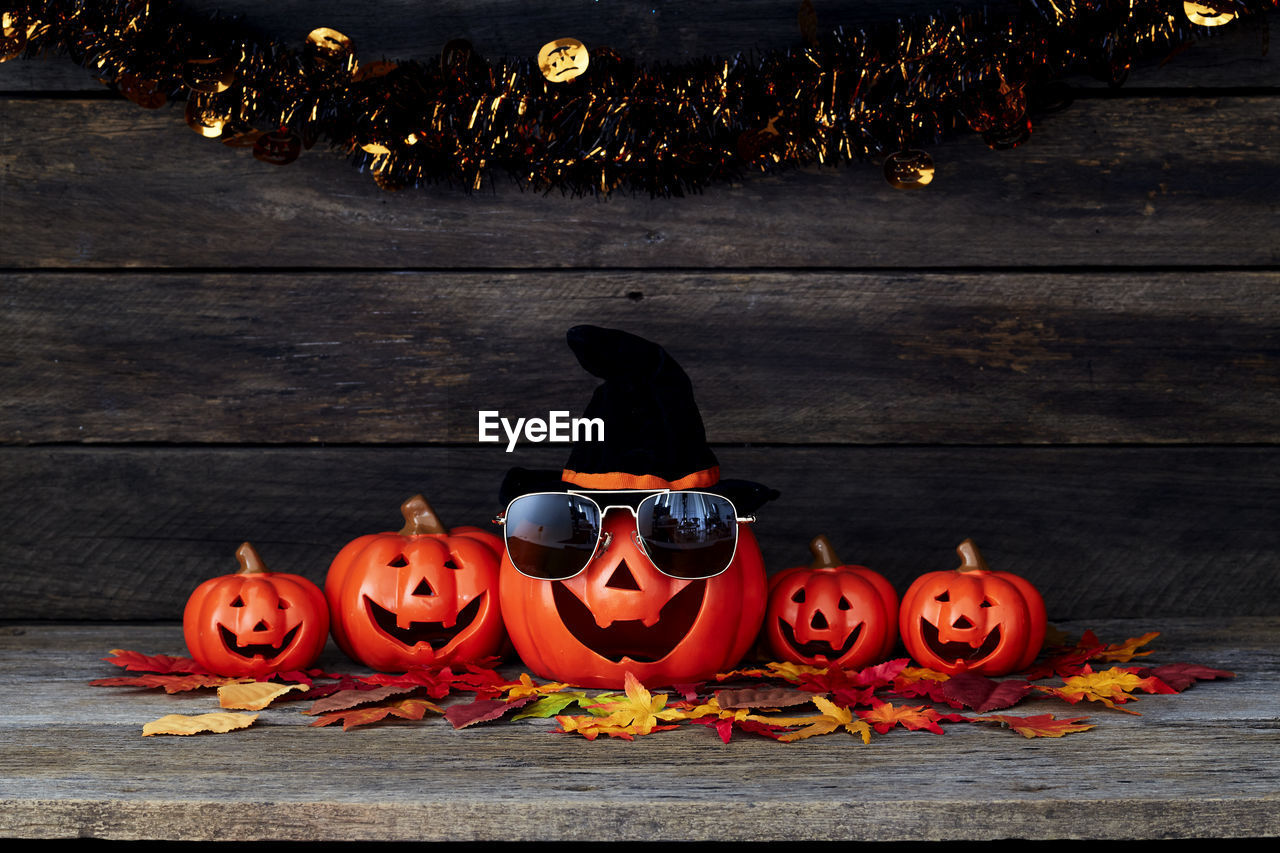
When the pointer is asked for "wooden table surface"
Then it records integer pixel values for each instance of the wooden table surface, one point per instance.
(73, 762)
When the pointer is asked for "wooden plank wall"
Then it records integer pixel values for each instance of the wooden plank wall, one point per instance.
(1067, 351)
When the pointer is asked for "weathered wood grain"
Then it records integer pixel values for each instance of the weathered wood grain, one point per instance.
(73, 763)
(127, 533)
(651, 32)
(774, 357)
(1152, 181)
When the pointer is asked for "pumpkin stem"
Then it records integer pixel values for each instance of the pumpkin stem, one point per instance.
(972, 561)
(420, 518)
(824, 556)
(250, 562)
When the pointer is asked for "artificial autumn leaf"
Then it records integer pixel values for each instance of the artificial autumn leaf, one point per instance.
(1180, 676)
(525, 686)
(439, 682)
(483, 711)
(639, 710)
(832, 719)
(1112, 687)
(172, 683)
(254, 695)
(1040, 725)
(761, 697)
(412, 708)
(592, 727)
(1067, 660)
(553, 704)
(726, 725)
(353, 698)
(883, 716)
(182, 724)
(918, 681)
(982, 694)
(138, 662)
(1126, 651)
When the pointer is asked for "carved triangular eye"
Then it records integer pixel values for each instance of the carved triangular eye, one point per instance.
(798, 596)
(398, 562)
(449, 564)
(985, 603)
(844, 603)
(239, 602)
(944, 596)
(282, 605)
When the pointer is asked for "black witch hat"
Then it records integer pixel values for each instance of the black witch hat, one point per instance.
(653, 433)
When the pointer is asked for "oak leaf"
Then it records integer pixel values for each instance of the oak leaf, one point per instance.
(1040, 725)
(254, 695)
(412, 708)
(182, 724)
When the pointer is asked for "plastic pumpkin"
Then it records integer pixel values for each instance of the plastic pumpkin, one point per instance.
(830, 614)
(420, 596)
(622, 615)
(255, 622)
(972, 619)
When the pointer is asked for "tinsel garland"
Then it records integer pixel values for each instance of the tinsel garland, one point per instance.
(845, 95)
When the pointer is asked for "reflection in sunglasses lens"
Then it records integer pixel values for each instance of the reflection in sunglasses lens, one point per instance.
(688, 534)
(551, 536)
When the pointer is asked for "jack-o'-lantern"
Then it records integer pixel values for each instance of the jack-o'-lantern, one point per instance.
(278, 148)
(972, 619)
(255, 622)
(830, 614)
(421, 596)
(635, 557)
(622, 615)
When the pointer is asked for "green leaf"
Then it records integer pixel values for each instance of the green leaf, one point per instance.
(552, 704)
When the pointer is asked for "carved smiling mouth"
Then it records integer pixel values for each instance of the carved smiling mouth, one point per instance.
(958, 651)
(819, 648)
(256, 650)
(629, 638)
(434, 634)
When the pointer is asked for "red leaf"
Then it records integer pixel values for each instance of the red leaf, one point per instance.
(172, 683)
(1180, 676)
(483, 710)
(346, 699)
(971, 690)
(138, 662)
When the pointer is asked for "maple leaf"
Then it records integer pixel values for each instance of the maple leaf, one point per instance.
(1126, 651)
(1040, 725)
(1180, 676)
(139, 662)
(592, 727)
(411, 708)
(553, 704)
(1112, 687)
(483, 710)
(639, 710)
(916, 681)
(883, 716)
(254, 695)
(172, 683)
(833, 718)
(982, 694)
(183, 724)
(526, 686)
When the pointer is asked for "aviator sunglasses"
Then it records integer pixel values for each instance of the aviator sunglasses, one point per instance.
(686, 535)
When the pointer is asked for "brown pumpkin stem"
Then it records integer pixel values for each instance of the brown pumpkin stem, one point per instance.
(824, 556)
(420, 518)
(971, 560)
(250, 562)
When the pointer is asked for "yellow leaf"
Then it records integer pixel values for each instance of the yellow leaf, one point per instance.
(526, 687)
(833, 717)
(1126, 651)
(182, 724)
(255, 695)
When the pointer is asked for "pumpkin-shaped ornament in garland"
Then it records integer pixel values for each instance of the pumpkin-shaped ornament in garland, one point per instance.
(421, 596)
(830, 614)
(255, 622)
(635, 557)
(972, 619)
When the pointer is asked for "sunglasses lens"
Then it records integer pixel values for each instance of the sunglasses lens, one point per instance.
(551, 536)
(688, 534)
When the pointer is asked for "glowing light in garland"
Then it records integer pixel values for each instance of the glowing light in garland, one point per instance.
(583, 119)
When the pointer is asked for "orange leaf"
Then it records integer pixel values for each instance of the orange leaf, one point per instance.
(1040, 725)
(138, 662)
(1126, 651)
(254, 695)
(182, 724)
(883, 716)
(170, 683)
(1112, 687)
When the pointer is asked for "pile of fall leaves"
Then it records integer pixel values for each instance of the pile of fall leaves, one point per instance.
(783, 701)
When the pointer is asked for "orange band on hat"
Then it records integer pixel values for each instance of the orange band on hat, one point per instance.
(615, 480)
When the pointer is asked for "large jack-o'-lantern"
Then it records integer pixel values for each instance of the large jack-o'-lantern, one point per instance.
(614, 611)
(255, 622)
(417, 597)
(830, 614)
(972, 619)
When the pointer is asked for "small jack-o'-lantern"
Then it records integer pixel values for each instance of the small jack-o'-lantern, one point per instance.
(563, 59)
(909, 170)
(279, 148)
(255, 622)
(830, 614)
(972, 619)
(421, 596)
(621, 615)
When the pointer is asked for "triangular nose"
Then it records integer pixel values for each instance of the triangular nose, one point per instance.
(423, 588)
(261, 626)
(962, 622)
(818, 622)
(622, 578)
